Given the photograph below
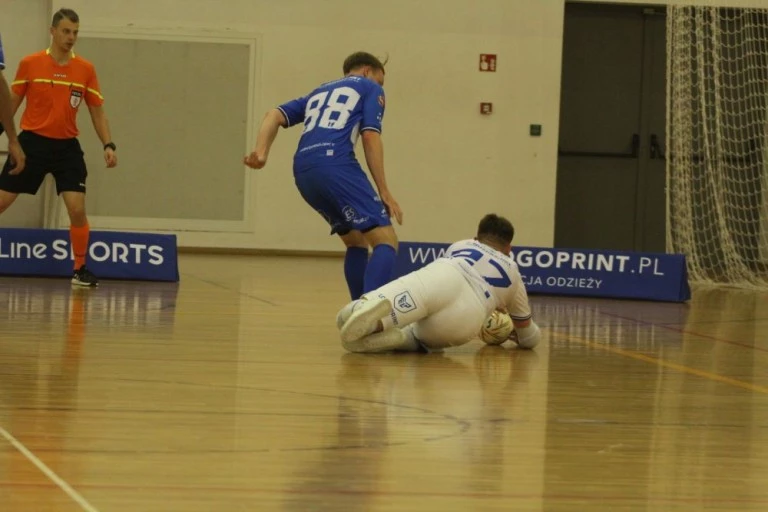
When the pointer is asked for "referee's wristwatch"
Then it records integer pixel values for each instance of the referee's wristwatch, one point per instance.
(110, 145)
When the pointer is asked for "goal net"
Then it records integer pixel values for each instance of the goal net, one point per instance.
(717, 140)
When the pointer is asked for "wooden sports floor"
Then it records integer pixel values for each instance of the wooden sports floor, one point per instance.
(229, 391)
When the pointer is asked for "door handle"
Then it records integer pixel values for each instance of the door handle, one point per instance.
(632, 153)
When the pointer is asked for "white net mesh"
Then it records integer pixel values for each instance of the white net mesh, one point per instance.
(717, 138)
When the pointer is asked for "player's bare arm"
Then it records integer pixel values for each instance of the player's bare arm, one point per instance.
(7, 111)
(101, 125)
(16, 101)
(374, 157)
(270, 125)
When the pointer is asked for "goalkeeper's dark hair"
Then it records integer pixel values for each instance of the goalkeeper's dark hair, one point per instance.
(495, 228)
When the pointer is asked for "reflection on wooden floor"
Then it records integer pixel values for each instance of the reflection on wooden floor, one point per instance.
(230, 391)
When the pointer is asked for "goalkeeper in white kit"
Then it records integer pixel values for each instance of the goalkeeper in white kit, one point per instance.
(445, 303)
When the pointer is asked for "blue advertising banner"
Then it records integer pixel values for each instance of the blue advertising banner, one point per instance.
(595, 273)
(112, 255)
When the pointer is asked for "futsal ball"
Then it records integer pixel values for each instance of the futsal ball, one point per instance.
(496, 328)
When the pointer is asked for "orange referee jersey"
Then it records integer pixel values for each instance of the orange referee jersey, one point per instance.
(54, 93)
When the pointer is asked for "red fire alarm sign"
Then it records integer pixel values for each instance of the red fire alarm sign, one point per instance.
(486, 108)
(488, 62)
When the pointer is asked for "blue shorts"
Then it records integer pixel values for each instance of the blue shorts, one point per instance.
(344, 197)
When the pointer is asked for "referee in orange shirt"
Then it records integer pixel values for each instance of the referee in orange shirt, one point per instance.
(55, 82)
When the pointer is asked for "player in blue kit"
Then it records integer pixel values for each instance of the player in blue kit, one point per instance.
(327, 173)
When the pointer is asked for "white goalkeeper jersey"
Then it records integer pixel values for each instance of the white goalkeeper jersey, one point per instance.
(492, 275)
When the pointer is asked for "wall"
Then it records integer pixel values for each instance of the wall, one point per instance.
(446, 164)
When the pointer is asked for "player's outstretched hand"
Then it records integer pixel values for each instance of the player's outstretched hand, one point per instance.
(255, 160)
(393, 209)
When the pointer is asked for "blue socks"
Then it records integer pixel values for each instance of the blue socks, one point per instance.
(355, 263)
(380, 267)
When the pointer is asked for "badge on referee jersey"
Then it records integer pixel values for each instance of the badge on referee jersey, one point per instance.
(75, 97)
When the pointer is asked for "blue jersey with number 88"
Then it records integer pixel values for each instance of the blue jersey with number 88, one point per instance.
(334, 115)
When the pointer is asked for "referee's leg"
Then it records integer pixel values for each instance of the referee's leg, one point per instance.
(79, 233)
(70, 174)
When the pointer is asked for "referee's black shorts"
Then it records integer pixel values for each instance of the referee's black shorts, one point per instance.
(61, 157)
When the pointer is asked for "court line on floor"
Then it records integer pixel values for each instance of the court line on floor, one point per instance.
(663, 363)
(221, 286)
(684, 331)
(313, 493)
(48, 472)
